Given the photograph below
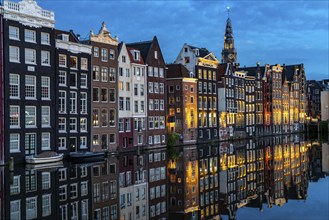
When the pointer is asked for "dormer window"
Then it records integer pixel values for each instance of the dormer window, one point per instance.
(136, 55)
(65, 37)
(196, 52)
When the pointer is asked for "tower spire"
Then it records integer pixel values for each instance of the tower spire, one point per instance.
(229, 54)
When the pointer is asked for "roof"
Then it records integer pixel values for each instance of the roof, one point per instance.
(252, 71)
(132, 60)
(143, 47)
(202, 51)
(177, 70)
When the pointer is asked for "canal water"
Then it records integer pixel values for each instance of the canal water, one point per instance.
(281, 177)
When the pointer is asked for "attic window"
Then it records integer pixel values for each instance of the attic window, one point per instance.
(196, 52)
(136, 55)
(187, 59)
(155, 54)
(185, 49)
(65, 37)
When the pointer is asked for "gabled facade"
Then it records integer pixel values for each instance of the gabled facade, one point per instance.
(182, 103)
(156, 91)
(73, 87)
(204, 66)
(29, 83)
(104, 102)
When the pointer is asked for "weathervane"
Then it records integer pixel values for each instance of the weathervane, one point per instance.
(228, 11)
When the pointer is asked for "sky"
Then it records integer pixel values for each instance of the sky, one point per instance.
(270, 32)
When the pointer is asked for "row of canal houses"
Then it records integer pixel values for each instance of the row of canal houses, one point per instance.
(66, 94)
(266, 173)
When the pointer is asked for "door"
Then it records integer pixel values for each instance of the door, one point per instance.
(73, 144)
(30, 144)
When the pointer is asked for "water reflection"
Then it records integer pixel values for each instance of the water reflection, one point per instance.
(196, 182)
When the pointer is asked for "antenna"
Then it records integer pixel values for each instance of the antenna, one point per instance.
(228, 11)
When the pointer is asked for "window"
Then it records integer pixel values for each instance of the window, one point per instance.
(62, 78)
(95, 117)
(14, 143)
(112, 117)
(155, 54)
(45, 140)
(14, 116)
(14, 86)
(30, 116)
(128, 103)
(61, 143)
(30, 36)
(156, 104)
(112, 138)
(127, 72)
(150, 104)
(83, 80)
(104, 55)
(83, 103)
(136, 89)
(150, 71)
(161, 88)
(31, 208)
(73, 102)
(150, 87)
(161, 104)
(121, 125)
(62, 101)
(73, 62)
(112, 95)
(142, 106)
(104, 117)
(161, 72)
(45, 58)
(96, 73)
(123, 59)
(121, 103)
(120, 71)
(96, 52)
(156, 71)
(112, 75)
(83, 124)
(112, 54)
(45, 87)
(136, 55)
(141, 90)
(46, 205)
(156, 87)
(61, 124)
(30, 84)
(45, 38)
(104, 74)
(13, 33)
(14, 54)
(45, 116)
(73, 124)
(128, 126)
(62, 60)
(73, 80)
(30, 56)
(84, 63)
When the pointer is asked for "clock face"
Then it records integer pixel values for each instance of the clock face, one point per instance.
(230, 56)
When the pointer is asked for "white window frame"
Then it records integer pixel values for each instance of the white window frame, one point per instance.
(30, 56)
(31, 86)
(45, 38)
(62, 60)
(62, 123)
(45, 109)
(14, 55)
(13, 33)
(14, 86)
(32, 116)
(83, 81)
(45, 86)
(73, 125)
(62, 102)
(84, 63)
(45, 58)
(45, 141)
(83, 102)
(14, 143)
(30, 36)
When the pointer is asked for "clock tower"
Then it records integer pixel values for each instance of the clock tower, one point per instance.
(229, 54)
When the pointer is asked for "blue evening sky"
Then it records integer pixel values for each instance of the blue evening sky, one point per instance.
(285, 32)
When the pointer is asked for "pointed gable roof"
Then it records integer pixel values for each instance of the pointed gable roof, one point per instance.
(202, 51)
(177, 71)
(143, 47)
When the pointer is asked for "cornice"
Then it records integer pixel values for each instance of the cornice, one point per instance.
(28, 13)
(73, 47)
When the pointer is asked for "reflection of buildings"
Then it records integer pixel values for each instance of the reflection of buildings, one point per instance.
(183, 188)
(105, 189)
(325, 157)
(208, 185)
(133, 187)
